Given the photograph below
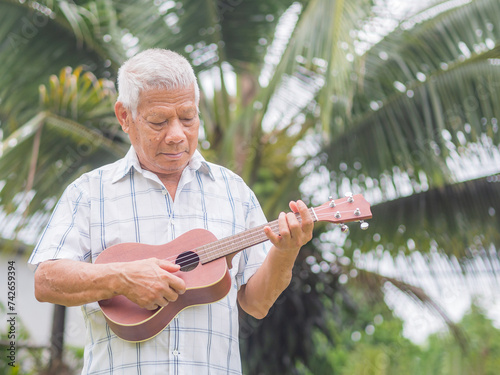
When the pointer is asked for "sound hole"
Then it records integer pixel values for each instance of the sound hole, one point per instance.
(188, 261)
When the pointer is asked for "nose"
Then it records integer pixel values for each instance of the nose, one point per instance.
(174, 132)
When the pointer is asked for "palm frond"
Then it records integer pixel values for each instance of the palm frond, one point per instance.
(424, 94)
(452, 218)
(77, 129)
(318, 55)
(425, 129)
(422, 47)
(208, 32)
(28, 32)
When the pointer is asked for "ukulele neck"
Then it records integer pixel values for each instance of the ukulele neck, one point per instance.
(240, 241)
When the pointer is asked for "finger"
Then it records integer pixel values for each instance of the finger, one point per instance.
(283, 224)
(176, 283)
(300, 207)
(307, 222)
(159, 303)
(164, 302)
(153, 306)
(176, 286)
(305, 214)
(168, 266)
(273, 237)
(293, 224)
(293, 206)
(171, 294)
(300, 229)
(307, 218)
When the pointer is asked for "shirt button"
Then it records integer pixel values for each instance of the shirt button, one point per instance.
(164, 191)
(175, 352)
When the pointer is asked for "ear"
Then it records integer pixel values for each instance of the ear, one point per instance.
(123, 115)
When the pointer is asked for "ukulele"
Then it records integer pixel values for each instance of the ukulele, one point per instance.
(203, 262)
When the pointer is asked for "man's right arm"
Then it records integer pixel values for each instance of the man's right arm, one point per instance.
(149, 282)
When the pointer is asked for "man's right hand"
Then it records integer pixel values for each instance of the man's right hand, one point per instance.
(149, 282)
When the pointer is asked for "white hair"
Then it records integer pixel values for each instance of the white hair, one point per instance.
(154, 69)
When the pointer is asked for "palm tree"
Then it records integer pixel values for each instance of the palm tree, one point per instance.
(283, 94)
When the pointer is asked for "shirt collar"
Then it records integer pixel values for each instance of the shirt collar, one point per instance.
(197, 163)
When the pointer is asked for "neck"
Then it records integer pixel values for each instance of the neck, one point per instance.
(169, 180)
(171, 188)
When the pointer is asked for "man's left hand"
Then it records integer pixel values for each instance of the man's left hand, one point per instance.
(293, 233)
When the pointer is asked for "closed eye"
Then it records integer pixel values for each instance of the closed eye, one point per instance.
(158, 123)
(188, 121)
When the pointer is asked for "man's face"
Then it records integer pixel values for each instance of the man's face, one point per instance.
(165, 131)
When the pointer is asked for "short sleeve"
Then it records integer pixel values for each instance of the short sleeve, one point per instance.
(252, 258)
(66, 235)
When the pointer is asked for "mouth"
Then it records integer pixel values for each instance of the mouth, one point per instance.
(173, 155)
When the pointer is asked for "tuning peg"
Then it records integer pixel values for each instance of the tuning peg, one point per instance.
(349, 197)
(344, 228)
(332, 202)
(363, 225)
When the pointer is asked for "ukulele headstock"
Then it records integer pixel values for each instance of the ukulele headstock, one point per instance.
(343, 210)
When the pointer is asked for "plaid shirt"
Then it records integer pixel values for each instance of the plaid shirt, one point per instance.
(121, 202)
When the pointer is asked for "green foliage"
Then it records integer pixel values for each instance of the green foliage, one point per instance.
(379, 349)
(442, 356)
(366, 340)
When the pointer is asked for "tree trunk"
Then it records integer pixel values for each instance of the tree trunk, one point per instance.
(56, 364)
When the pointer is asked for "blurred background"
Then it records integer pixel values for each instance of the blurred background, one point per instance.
(397, 100)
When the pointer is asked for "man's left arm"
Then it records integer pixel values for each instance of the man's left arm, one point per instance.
(258, 295)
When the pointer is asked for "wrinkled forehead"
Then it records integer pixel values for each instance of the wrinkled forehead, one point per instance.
(174, 99)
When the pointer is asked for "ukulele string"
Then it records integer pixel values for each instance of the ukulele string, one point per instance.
(213, 249)
(253, 237)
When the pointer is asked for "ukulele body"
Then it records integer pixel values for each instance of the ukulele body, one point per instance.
(205, 283)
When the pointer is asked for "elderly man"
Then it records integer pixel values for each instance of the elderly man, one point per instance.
(161, 189)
